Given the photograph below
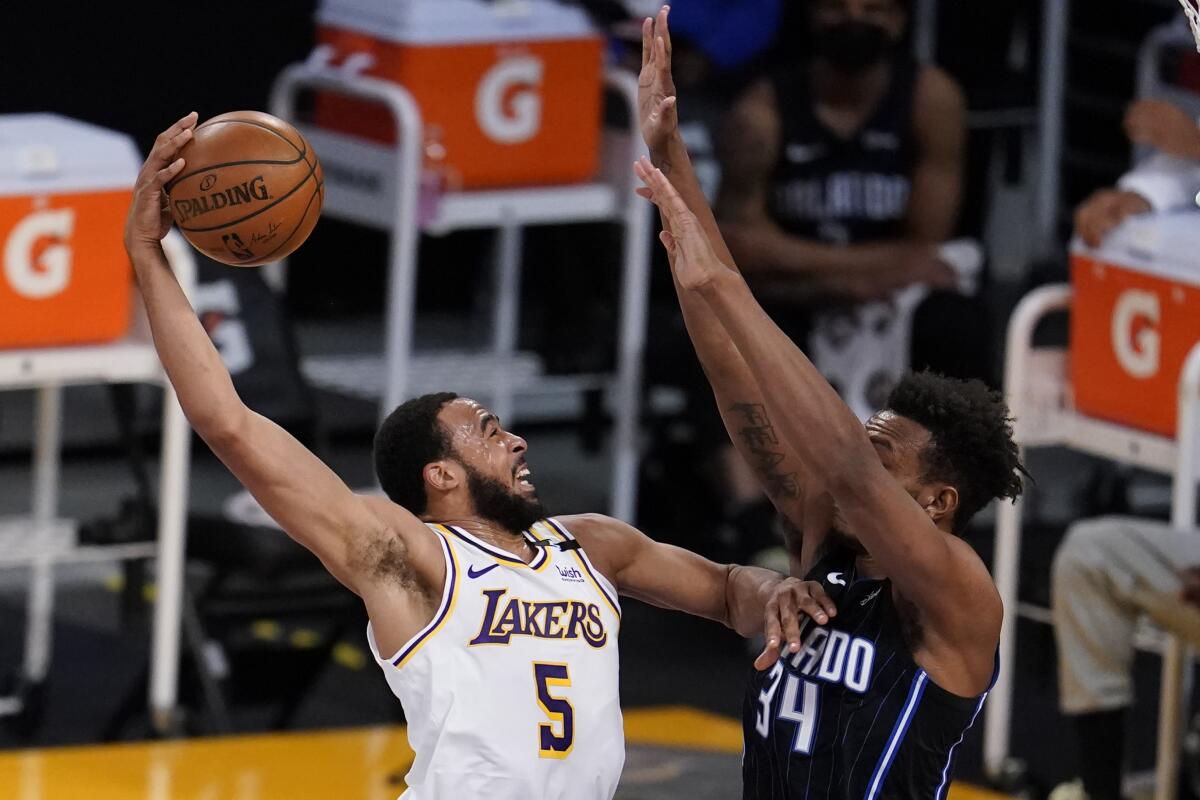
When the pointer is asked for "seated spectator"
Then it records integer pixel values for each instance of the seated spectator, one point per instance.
(1113, 570)
(841, 178)
(1167, 180)
(1107, 573)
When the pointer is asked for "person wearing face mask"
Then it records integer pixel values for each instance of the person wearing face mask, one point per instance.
(842, 178)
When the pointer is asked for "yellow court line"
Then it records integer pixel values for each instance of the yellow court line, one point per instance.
(367, 763)
(690, 728)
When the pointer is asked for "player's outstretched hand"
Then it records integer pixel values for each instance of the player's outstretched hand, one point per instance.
(150, 215)
(696, 265)
(792, 599)
(656, 86)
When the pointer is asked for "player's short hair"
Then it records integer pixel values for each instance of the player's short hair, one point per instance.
(971, 443)
(411, 437)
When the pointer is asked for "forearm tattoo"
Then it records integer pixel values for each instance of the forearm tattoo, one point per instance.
(763, 451)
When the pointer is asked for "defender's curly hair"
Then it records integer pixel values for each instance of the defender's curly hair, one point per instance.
(408, 439)
(971, 443)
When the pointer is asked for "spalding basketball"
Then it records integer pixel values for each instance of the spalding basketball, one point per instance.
(250, 191)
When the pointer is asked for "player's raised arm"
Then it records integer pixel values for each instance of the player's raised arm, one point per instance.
(300, 492)
(937, 572)
(738, 398)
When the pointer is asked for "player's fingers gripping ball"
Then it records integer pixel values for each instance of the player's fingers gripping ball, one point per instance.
(251, 189)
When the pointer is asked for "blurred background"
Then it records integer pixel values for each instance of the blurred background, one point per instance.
(932, 191)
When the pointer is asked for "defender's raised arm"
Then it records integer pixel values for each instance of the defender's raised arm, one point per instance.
(300, 492)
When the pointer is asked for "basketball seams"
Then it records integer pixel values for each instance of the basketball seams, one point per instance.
(267, 128)
(318, 191)
(284, 205)
(214, 167)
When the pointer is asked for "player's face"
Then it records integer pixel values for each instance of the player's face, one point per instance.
(899, 442)
(486, 449)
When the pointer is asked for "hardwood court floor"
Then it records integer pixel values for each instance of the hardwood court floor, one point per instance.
(674, 752)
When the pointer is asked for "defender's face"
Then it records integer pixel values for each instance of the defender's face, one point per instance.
(482, 444)
(886, 14)
(899, 442)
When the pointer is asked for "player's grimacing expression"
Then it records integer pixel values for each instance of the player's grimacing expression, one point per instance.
(479, 441)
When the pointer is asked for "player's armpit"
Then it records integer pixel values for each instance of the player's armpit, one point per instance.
(306, 498)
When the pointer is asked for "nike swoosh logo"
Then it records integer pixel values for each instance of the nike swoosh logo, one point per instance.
(836, 577)
(472, 573)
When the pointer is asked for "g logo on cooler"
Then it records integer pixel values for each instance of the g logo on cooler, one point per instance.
(508, 105)
(1137, 346)
(50, 272)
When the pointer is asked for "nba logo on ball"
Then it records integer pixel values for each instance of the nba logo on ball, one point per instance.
(251, 189)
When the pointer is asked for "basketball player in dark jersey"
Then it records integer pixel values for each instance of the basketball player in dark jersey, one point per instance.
(872, 694)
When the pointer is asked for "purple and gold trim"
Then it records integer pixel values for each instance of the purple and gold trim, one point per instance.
(445, 608)
(539, 560)
(584, 562)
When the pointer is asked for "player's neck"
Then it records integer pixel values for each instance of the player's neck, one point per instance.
(488, 531)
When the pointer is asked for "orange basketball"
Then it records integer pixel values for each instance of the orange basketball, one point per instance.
(250, 191)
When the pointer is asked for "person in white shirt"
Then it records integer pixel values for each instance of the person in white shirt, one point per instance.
(1168, 180)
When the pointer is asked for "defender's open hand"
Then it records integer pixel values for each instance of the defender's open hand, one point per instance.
(696, 265)
(150, 215)
(792, 600)
(656, 87)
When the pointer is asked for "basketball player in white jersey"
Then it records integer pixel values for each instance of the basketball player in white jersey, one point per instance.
(496, 628)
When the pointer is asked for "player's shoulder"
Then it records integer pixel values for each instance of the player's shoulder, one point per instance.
(609, 542)
(986, 606)
(595, 527)
(937, 91)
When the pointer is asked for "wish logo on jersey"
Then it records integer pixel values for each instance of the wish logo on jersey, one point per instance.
(504, 618)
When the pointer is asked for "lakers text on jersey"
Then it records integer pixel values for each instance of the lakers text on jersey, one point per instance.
(511, 690)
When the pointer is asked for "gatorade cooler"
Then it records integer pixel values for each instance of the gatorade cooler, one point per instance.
(64, 189)
(509, 91)
(1134, 319)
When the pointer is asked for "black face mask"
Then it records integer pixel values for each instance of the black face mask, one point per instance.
(853, 46)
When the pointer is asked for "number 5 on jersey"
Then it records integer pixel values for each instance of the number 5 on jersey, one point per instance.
(557, 709)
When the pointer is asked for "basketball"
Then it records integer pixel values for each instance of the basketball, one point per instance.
(251, 189)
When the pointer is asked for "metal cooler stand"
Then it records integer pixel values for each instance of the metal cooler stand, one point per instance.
(42, 539)
(501, 370)
(1037, 388)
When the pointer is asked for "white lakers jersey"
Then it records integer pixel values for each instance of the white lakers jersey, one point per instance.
(511, 690)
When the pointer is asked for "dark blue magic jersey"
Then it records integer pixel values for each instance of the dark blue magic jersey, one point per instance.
(851, 715)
